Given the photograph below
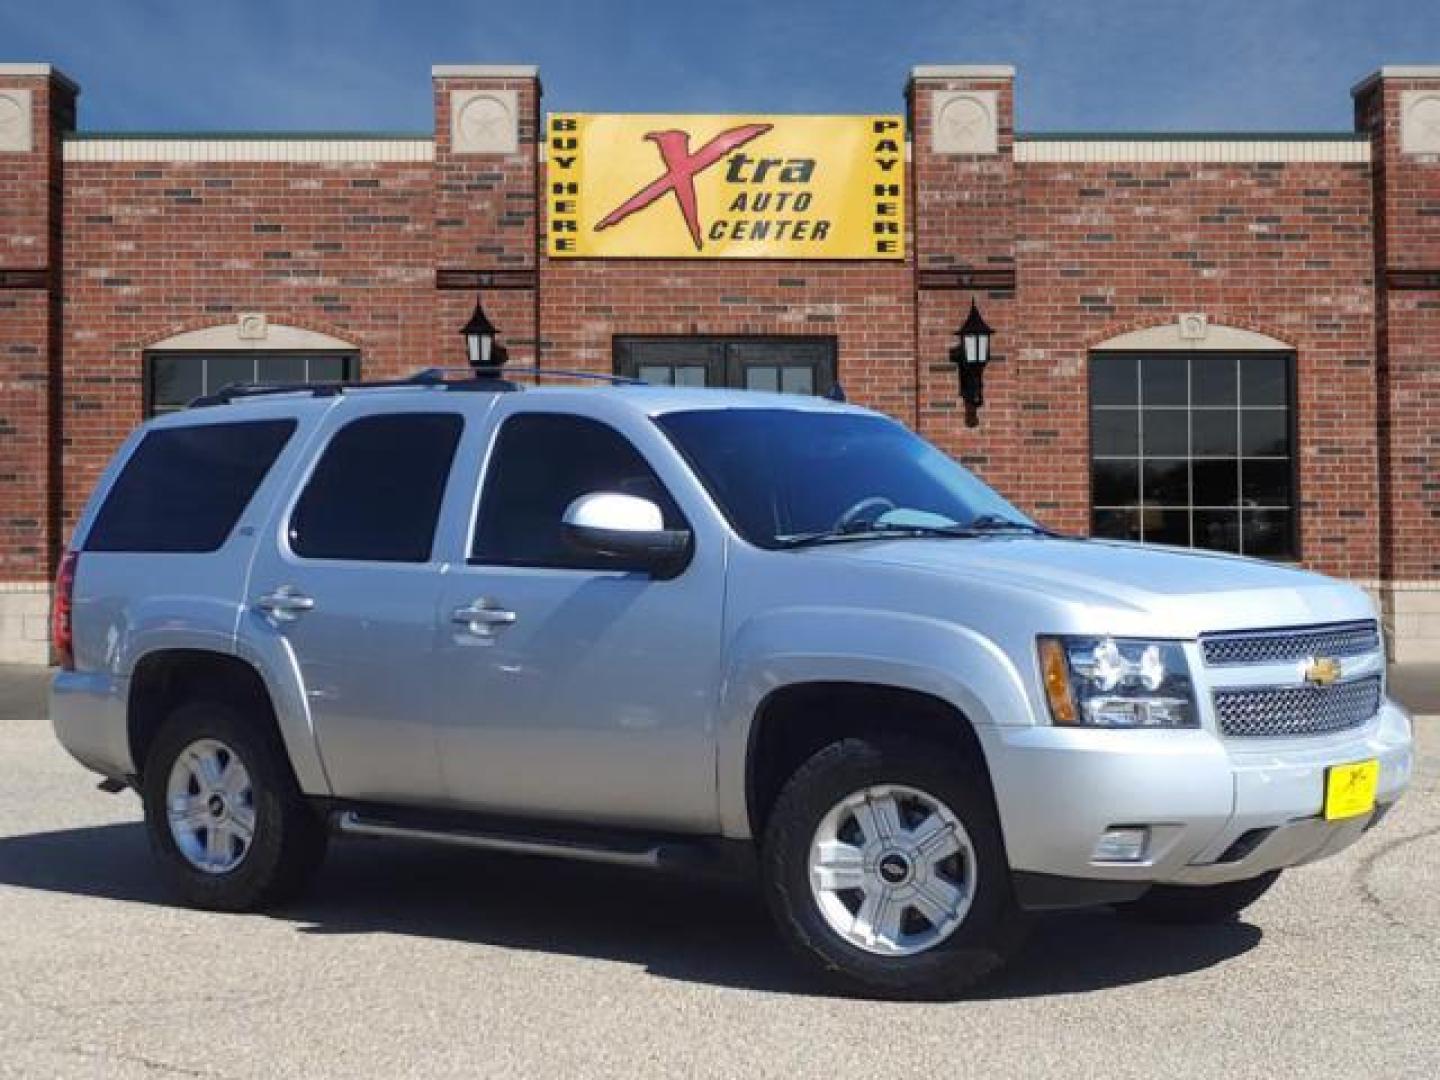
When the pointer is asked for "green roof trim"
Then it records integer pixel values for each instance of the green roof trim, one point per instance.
(1191, 136)
(251, 136)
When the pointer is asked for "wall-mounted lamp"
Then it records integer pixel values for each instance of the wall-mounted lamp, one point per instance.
(970, 356)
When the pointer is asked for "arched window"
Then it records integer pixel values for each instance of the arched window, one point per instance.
(1193, 444)
(190, 365)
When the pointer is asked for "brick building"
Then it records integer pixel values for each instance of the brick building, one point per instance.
(1220, 340)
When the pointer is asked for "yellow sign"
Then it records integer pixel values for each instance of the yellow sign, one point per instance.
(1350, 789)
(726, 187)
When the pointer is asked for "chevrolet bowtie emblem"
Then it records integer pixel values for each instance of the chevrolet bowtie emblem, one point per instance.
(1322, 670)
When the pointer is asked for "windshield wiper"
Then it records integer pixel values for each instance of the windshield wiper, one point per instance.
(985, 524)
(875, 531)
(995, 523)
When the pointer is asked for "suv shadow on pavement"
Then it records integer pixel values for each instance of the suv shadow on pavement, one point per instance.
(677, 929)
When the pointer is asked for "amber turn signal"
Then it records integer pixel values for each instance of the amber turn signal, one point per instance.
(1055, 672)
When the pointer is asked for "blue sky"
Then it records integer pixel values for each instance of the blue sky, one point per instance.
(364, 64)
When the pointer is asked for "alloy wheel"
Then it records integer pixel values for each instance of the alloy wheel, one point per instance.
(892, 870)
(210, 805)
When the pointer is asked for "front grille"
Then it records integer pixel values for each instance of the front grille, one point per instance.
(1278, 646)
(1272, 712)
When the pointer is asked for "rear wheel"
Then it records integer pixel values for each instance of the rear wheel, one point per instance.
(1197, 904)
(884, 867)
(223, 810)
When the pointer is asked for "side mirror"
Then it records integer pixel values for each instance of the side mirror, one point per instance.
(627, 528)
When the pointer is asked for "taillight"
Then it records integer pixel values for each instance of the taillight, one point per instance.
(62, 631)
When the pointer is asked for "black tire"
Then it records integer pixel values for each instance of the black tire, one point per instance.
(1183, 905)
(289, 839)
(991, 930)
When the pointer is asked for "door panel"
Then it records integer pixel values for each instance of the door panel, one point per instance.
(345, 577)
(594, 704)
(571, 688)
(362, 651)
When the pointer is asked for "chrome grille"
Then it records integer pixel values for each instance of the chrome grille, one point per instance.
(1272, 711)
(1278, 646)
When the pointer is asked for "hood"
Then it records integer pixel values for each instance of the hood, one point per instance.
(1113, 587)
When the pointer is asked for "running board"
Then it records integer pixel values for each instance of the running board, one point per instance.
(700, 854)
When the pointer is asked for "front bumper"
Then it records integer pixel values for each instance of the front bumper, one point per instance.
(1216, 809)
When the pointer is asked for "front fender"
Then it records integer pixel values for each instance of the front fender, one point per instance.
(882, 648)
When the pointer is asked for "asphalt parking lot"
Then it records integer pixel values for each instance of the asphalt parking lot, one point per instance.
(408, 961)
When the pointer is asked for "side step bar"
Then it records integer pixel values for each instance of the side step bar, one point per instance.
(697, 855)
(352, 824)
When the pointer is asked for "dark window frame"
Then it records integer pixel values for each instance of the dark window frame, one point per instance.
(599, 564)
(318, 460)
(349, 357)
(727, 371)
(1292, 412)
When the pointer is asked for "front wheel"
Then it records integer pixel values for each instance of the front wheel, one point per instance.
(1197, 904)
(884, 867)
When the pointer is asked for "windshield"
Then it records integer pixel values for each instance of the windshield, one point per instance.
(784, 476)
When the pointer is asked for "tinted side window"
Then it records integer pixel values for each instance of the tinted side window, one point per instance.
(376, 492)
(542, 463)
(183, 489)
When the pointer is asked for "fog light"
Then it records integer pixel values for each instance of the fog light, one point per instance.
(1121, 845)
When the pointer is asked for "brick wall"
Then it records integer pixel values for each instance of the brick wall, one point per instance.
(30, 373)
(1283, 249)
(158, 248)
(1407, 257)
(1101, 248)
(965, 232)
(486, 218)
(1062, 255)
(866, 306)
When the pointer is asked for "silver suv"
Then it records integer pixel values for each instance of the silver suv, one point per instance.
(699, 629)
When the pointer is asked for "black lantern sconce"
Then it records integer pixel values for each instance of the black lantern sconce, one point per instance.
(486, 355)
(970, 356)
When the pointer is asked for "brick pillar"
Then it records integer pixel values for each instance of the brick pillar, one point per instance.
(487, 129)
(963, 196)
(1400, 108)
(37, 105)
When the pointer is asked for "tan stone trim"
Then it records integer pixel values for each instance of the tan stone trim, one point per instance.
(39, 71)
(485, 71)
(1171, 336)
(1397, 71)
(230, 337)
(1180, 149)
(220, 149)
(24, 622)
(17, 128)
(962, 71)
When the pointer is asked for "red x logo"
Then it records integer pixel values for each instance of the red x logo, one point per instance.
(681, 168)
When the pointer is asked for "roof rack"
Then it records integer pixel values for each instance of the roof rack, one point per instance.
(437, 374)
(486, 382)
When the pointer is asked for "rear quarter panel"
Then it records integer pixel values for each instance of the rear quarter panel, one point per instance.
(129, 605)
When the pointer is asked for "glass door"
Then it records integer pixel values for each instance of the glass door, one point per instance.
(789, 365)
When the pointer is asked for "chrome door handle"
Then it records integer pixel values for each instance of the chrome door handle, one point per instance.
(285, 603)
(483, 617)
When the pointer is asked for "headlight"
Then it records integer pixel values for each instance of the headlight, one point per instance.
(1117, 682)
